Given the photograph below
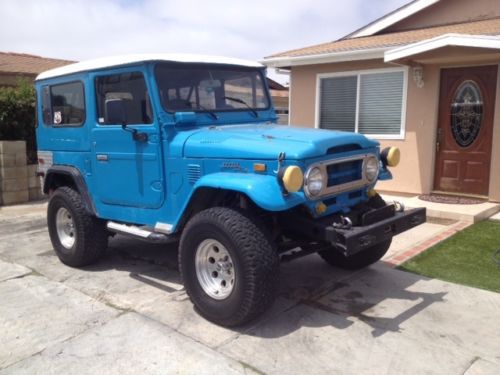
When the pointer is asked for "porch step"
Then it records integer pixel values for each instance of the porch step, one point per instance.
(471, 213)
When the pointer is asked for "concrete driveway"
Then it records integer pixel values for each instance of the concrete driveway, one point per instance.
(129, 314)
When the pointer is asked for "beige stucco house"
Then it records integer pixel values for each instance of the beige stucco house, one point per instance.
(424, 78)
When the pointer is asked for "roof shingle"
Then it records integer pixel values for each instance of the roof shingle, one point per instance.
(485, 27)
(22, 63)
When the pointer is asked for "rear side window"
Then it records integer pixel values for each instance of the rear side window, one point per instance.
(131, 89)
(64, 104)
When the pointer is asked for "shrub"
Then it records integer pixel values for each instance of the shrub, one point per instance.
(17, 115)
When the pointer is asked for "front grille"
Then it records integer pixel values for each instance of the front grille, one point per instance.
(345, 172)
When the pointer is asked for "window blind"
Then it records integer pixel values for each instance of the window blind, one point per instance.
(338, 103)
(380, 103)
(379, 108)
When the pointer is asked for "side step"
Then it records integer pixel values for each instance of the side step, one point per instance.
(140, 233)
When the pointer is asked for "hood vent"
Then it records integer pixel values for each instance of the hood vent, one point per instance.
(342, 148)
(193, 173)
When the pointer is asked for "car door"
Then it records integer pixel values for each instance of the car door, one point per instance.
(127, 170)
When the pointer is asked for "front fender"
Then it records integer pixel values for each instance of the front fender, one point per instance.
(263, 190)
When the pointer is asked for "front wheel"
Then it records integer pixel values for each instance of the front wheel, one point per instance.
(228, 265)
(78, 238)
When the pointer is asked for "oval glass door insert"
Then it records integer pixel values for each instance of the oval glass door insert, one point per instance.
(466, 113)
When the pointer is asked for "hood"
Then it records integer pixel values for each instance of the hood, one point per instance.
(267, 141)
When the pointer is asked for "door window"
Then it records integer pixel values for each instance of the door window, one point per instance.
(129, 87)
(466, 113)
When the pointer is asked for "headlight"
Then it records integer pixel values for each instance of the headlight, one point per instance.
(371, 169)
(314, 181)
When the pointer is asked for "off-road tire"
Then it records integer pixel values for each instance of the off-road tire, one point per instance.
(255, 259)
(364, 258)
(90, 234)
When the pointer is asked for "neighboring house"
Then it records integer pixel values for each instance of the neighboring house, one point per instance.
(424, 78)
(20, 65)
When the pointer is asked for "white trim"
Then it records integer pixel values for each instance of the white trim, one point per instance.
(325, 58)
(137, 58)
(456, 40)
(290, 100)
(392, 18)
(358, 73)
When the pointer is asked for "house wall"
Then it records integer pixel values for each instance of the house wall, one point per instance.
(415, 173)
(449, 11)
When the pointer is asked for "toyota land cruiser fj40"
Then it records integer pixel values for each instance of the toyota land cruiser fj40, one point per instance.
(186, 148)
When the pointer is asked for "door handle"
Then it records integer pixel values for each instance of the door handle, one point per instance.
(102, 157)
(437, 146)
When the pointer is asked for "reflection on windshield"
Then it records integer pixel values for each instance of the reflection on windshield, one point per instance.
(206, 88)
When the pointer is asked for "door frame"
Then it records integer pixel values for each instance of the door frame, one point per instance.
(438, 117)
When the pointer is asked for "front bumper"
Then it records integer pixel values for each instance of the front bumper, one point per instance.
(356, 238)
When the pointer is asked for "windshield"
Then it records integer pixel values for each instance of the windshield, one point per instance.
(208, 88)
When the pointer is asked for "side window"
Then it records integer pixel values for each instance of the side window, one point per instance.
(129, 87)
(63, 104)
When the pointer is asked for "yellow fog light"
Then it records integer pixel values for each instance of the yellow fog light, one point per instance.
(391, 156)
(293, 178)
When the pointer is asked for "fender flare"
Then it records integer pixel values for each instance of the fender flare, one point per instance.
(263, 190)
(75, 175)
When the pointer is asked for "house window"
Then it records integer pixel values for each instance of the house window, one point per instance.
(371, 103)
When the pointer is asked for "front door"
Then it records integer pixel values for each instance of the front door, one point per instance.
(128, 172)
(465, 127)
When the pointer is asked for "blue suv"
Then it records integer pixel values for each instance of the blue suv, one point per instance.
(186, 148)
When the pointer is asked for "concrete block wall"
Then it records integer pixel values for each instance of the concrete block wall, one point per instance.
(18, 181)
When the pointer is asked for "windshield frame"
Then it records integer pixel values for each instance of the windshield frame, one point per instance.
(204, 66)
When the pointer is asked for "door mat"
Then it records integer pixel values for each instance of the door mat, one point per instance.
(450, 199)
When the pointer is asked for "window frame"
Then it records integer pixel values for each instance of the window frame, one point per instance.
(358, 74)
(119, 71)
(85, 108)
(201, 65)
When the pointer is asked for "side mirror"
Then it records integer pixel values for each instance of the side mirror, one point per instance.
(115, 112)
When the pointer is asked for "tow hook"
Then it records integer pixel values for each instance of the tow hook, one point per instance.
(399, 206)
(345, 223)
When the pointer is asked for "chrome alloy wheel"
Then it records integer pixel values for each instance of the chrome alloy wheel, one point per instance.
(214, 269)
(65, 227)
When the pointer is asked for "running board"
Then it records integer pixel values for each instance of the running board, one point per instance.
(140, 233)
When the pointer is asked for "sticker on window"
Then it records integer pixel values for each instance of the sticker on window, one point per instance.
(57, 117)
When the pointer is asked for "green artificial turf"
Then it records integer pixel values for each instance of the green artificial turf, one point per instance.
(465, 258)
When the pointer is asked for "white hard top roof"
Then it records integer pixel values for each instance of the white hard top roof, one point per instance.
(114, 61)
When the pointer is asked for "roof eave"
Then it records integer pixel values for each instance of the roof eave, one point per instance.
(391, 18)
(456, 40)
(325, 58)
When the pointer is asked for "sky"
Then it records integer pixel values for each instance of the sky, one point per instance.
(251, 29)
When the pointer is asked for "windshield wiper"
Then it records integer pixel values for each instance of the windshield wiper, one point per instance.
(211, 113)
(238, 100)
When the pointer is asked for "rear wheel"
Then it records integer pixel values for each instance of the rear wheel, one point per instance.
(78, 238)
(334, 256)
(228, 265)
